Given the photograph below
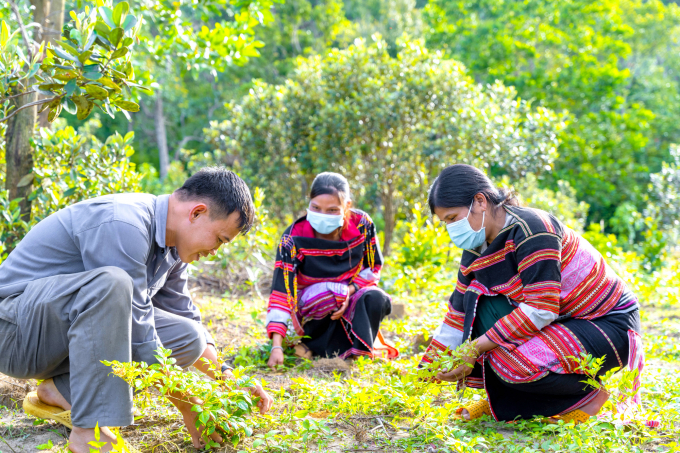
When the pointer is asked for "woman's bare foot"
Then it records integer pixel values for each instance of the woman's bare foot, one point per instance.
(79, 441)
(594, 406)
(49, 394)
(303, 351)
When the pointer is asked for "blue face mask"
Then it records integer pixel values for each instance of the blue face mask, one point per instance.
(324, 223)
(463, 235)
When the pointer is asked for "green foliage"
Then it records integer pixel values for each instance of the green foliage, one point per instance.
(387, 123)
(423, 257)
(562, 203)
(612, 64)
(90, 67)
(223, 407)
(69, 166)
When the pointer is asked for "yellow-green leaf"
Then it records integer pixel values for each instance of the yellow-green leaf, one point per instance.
(96, 92)
(127, 105)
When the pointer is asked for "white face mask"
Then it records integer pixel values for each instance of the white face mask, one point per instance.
(325, 223)
(462, 234)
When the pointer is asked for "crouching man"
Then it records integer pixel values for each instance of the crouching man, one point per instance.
(106, 279)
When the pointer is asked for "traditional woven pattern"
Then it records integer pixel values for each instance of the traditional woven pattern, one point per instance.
(305, 264)
(546, 269)
(552, 349)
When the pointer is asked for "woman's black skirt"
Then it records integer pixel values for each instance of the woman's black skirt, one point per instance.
(328, 338)
(554, 393)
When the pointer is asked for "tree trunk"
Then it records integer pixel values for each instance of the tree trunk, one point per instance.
(19, 154)
(161, 137)
(50, 15)
(389, 214)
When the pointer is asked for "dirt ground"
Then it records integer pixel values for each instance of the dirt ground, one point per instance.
(232, 326)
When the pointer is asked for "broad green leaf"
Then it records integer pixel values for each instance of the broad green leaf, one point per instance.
(69, 106)
(115, 36)
(102, 28)
(4, 34)
(76, 36)
(68, 48)
(61, 54)
(70, 87)
(96, 92)
(108, 83)
(92, 75)
(84, 106)
(54, 113)
(107, 15)
(50, 86)
(69, 192)
(64, 75)
(119, 53)
(119, 12)
(83, 57)
(129, 23)
(25, 180)
(127, 105)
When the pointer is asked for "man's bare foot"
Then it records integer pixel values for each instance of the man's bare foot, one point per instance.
(49, 394)
(79, 441)
(593, 407)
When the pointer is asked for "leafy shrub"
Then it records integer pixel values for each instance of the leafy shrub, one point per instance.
(423, 256)
(69, 166)
(561, 203)
(223, 407)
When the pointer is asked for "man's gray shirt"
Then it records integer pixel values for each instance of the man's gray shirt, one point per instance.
(122, 230)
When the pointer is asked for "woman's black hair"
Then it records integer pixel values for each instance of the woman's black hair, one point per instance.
(328, 183)
(458, 184)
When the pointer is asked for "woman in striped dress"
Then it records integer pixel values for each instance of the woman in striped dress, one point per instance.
(532, 296)
(325, 292)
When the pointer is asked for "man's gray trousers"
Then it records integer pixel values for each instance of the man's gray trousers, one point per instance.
(62, 327)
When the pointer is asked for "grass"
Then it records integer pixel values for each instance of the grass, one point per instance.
(332, 405)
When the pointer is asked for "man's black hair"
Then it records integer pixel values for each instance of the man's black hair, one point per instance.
(223, 191)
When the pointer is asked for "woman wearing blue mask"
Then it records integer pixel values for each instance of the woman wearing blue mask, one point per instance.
(532, 296)
(325, 294)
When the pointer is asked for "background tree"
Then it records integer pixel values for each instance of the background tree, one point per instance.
(612, 64)
(388, 123)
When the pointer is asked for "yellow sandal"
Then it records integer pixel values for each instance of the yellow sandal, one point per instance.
(33, 406)
(475, 410)
(576, 417)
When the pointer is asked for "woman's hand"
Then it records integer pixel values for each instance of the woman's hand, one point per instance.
(474, 350)
(276, 354)
(460, 372)
(275, 358)
(341, 311)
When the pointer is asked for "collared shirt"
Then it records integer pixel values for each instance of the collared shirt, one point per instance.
(122, 230)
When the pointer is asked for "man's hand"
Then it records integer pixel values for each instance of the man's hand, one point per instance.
(341, 311)
(266, 400)
(275, 358)
(189, 418)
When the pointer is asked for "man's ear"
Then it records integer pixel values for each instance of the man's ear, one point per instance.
(198, 210)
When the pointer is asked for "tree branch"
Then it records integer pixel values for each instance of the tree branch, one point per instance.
(184, 142)
(15, 96)
(29, 46)
(25, 106)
